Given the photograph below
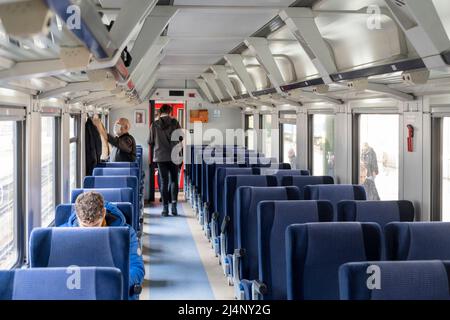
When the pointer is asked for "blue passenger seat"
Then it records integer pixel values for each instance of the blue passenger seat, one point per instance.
(396, 280)
(83, 247)
(114, 182)
(417, 241)
(280, 173)
(381, 212)
(335, 193)
(51, 284)
(245, 251)
(301, 181)
(274, 217)
(315, 251)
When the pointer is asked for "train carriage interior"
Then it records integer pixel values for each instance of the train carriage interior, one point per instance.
(243, 150)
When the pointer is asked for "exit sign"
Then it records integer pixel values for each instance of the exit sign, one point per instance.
(191, 95)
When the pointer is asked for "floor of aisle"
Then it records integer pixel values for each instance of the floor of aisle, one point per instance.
(179, 261)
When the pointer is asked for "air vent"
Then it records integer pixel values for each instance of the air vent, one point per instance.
(176, 93)
(400, 3)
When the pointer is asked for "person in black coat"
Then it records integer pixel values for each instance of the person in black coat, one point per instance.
(124, 144)
(165, 136)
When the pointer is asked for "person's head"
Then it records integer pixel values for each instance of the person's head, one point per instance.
(166, 109)
(122, 126)
(291, 153)
(365, 146)
(90, 209)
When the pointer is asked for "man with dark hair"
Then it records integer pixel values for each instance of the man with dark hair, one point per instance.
(91, 211)
(164, 138)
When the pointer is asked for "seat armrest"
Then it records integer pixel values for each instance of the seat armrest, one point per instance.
(259, 289)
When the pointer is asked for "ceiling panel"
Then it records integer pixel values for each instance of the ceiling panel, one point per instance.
(259, 3)
(211, 46)
(218, 22)
(182, 68)
(337, 5)
(354, 45)
(190, 59)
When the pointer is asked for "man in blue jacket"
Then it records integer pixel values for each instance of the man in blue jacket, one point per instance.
(92, 211)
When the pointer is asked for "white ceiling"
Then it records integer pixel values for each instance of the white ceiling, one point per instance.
(202, 36)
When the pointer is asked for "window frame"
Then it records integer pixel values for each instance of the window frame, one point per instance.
(437, 152)
(57, 156)
(261, 122)
(77, 139)
(19, 174)
(247, 117)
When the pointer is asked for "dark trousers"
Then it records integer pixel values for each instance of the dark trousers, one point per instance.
(168, 172)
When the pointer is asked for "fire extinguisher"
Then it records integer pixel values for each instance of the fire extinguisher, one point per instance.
(410, 137)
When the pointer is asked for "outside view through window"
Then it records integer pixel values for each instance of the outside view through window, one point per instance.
(48, 171)
(379, 156)
(323, 145)
(8, 252)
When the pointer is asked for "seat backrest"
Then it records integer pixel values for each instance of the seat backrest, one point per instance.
(52, 284)
(111, 182)
(111, 195)
(117, 182)
(417, 241)
(245, 222)
(83, 247)
(381, 212)
(118, 165)
(273, 219)
(64, 211)
(335, 193)
(219, 183)
(98, 172)
(398, 280)
(232, 184)
(301, 181)
(210, 177)
(315, 251)
(280, 173)
(260, 161)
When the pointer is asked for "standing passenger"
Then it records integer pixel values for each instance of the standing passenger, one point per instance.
(161, 141)
(124, 144)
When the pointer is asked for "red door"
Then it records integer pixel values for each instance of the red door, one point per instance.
(177, 109)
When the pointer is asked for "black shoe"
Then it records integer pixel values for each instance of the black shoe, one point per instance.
(165, 212)
(174, 209)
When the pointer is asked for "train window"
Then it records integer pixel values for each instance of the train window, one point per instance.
(8, 243)
(289, 143)
(74, 152)
(379, 155)
(288, 138)
(48, 170)
(266, 125)
(323, 145)
(446, 170)
(249, 131)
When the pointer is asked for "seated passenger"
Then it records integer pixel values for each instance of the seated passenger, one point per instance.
(92, 211)
(124, 144)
